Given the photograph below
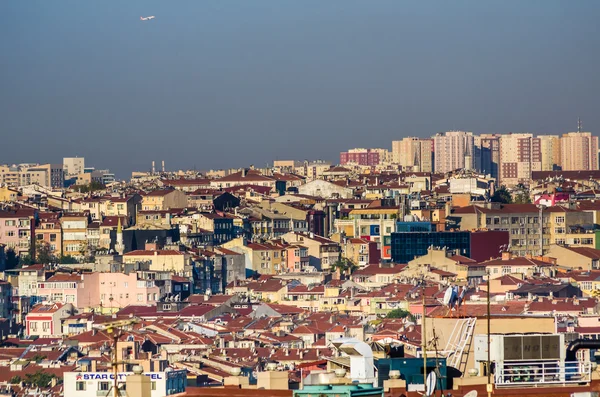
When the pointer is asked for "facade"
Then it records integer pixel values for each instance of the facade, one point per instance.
(368, 157)
(95, 384)
(413, 154)
(453, 150)
(165, 199)
(160, 260)
(48, 231)
(17, 231)
(486, 156)
(74, 239)
(579, 151)
(550, 152)
(479, 246)
(44, 319)
(73, 166)
(520, 155)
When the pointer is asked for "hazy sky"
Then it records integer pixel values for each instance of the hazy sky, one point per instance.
(220, 83)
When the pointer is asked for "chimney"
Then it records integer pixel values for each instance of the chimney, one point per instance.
(506, 256)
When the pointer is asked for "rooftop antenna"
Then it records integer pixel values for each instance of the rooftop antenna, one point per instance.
(578, 124)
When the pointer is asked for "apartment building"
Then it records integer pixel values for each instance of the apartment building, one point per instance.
(49, 231)
(312, 170)
(560, 225)
(46, 175)
(74, 240)
(164, 199)
(520, 154)
(73, 166)
(550, 152)
(413, 154)
(17, 230)
(579, 151)
(359, 156)
(322, 252)
(486, 155)
(453, 150)
(161, 260)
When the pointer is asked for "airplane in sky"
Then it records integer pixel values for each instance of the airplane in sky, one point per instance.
(147, 18)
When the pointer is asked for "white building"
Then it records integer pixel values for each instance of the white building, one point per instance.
(73, 165)
(99, 384)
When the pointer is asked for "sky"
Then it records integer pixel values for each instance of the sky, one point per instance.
(218, 84)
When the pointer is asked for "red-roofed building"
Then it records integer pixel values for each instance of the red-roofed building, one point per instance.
(44, 319)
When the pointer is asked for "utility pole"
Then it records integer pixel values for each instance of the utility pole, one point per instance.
(489, 361)
(424, 335)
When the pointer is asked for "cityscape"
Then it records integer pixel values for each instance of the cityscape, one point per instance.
(203, 200)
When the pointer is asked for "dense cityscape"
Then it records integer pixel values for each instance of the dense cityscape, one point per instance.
(476, 254)
(299, 198)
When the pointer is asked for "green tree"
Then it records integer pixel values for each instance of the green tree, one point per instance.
(521, 195)
(26, 260)
(67, 260)
(39, 379)
(398, 313)
(344, 265)
(92, 187)
(38, 358)
(43, 253)
(15, 380)
(12, 260)
(502, 195)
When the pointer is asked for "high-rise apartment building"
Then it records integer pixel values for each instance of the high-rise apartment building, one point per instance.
(486, 154)
(550, 147)
(453, 150)
(413, 154)
(519, 155)
(579, 151)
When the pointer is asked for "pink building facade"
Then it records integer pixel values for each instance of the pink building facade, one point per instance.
(103, 292)
(17, 230)
(296, 258)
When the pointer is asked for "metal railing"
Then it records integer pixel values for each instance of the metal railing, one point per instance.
(537, 373)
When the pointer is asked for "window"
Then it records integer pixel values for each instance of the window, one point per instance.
(140, 297)
(10, 233)
(33, 326)
(125, 284)
(560, 219)
(80, 386)
(53, 237)
(39, 236)
(104, 386)
(45, 326)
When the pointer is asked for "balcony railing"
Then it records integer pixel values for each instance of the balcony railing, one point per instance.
(536, 373)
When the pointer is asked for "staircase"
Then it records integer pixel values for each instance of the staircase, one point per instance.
(460, 339)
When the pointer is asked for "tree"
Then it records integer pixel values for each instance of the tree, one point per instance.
(44, 253)
(398, 313)
(502, 195)
(344, 265)
(26, 260)
(67, 260)
(38, 358)
(12, 261)
(92, 187)
(15, 380)
(39, 379)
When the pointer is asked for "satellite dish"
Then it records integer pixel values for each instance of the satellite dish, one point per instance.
(447, 296)
(430, 384)
(472, 393)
